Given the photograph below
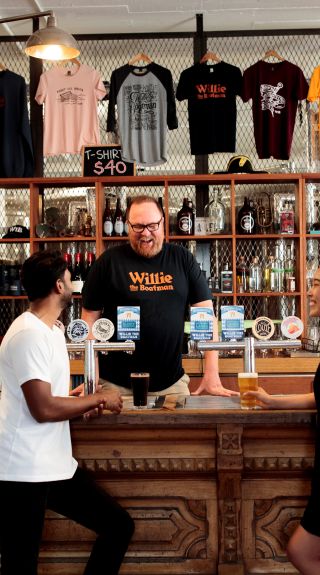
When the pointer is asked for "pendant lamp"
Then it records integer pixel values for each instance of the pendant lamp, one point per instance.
(49, 43)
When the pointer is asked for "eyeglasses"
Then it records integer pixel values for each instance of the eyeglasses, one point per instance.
(139, 228)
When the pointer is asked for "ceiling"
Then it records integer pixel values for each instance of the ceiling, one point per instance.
(138, 16)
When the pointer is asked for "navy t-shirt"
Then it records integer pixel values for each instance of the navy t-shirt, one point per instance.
(163, 287)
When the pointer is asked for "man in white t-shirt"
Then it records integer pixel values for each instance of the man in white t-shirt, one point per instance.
(37, 469)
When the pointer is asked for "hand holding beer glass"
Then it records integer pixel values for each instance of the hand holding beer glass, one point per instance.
(247, 382)
(140, 386)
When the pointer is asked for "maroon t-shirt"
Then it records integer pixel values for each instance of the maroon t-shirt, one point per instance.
(275, 90)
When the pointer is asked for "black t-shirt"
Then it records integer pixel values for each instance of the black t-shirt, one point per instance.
(211, 92)
(162, 286)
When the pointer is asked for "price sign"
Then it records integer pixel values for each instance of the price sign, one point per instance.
(105, 161)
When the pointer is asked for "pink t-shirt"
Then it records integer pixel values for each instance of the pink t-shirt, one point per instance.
(71, 116)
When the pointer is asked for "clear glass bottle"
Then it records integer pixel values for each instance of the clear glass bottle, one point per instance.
(289, 272)
(255, 276)
(269, 275)
(215, 215)
(278, 271)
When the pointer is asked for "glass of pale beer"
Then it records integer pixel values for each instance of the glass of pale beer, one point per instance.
(247, 382)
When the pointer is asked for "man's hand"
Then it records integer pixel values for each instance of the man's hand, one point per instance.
(110, 400)
(211, 384)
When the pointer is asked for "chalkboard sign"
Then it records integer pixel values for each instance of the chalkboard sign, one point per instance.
(105, 161)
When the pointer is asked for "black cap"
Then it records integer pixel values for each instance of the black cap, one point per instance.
(240, 165)
(17, 232)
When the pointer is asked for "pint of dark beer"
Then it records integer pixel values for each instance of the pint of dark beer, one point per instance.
(140, 386)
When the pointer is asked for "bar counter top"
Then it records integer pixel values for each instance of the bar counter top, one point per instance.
(212, 490)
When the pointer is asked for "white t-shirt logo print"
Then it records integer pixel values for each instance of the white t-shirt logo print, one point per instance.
(271, 100)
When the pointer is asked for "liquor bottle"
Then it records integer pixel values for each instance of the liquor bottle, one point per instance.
(289, 277)
(67, 257)
(190, 204)
(255, 275)
(77, 274)
(126, 225)
(14, 279)
(214, 212)
(118, 220)
(246, 218)
(242, 276)
(226, 279)
(287, 218)
(269, 275)
(278, 272)
(90, 259)
(185, 225)
(107, 219)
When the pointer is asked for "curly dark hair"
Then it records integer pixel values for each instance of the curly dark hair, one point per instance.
(40, 272)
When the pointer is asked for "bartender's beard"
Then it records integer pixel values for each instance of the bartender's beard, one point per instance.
(147, 247)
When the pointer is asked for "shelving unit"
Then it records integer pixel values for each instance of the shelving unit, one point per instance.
(26, 201)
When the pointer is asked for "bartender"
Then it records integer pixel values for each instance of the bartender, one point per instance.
(163, 279)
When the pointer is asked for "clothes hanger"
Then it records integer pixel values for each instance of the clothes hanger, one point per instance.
(65, 63)
(210, 56)
(140, 57)
(273, 54)
(2, 66)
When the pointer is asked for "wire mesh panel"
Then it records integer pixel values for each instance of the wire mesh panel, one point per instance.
(9, 310)
(106, 54)
(67, 211)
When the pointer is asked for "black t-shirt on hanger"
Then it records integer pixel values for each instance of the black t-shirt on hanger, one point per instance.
(211, 91)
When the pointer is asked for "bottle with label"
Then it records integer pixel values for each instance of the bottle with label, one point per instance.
(185, 220)
(246, 218)
(77, 276)
(289, 276)
(226, 279)
(287, 218)
(107, 220)
(118, 220)
(269, 275)
(255, 276)
(242, 276)
(278, 271)
(214, 212)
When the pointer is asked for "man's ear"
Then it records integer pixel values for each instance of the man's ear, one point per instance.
(59, 286)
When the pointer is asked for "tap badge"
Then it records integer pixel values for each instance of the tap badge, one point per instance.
(263, 328)
(78, 330)
(291, 327)
(103, 329)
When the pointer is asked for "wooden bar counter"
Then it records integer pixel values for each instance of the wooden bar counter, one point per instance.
(212, 489)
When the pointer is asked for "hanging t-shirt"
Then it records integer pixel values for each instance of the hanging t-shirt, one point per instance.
(275, 89)
(145, 103)
(314, 88)
(211, 92)
(16, 155)
(71, 115)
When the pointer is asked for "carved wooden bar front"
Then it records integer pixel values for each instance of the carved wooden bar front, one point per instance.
(211, 492)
